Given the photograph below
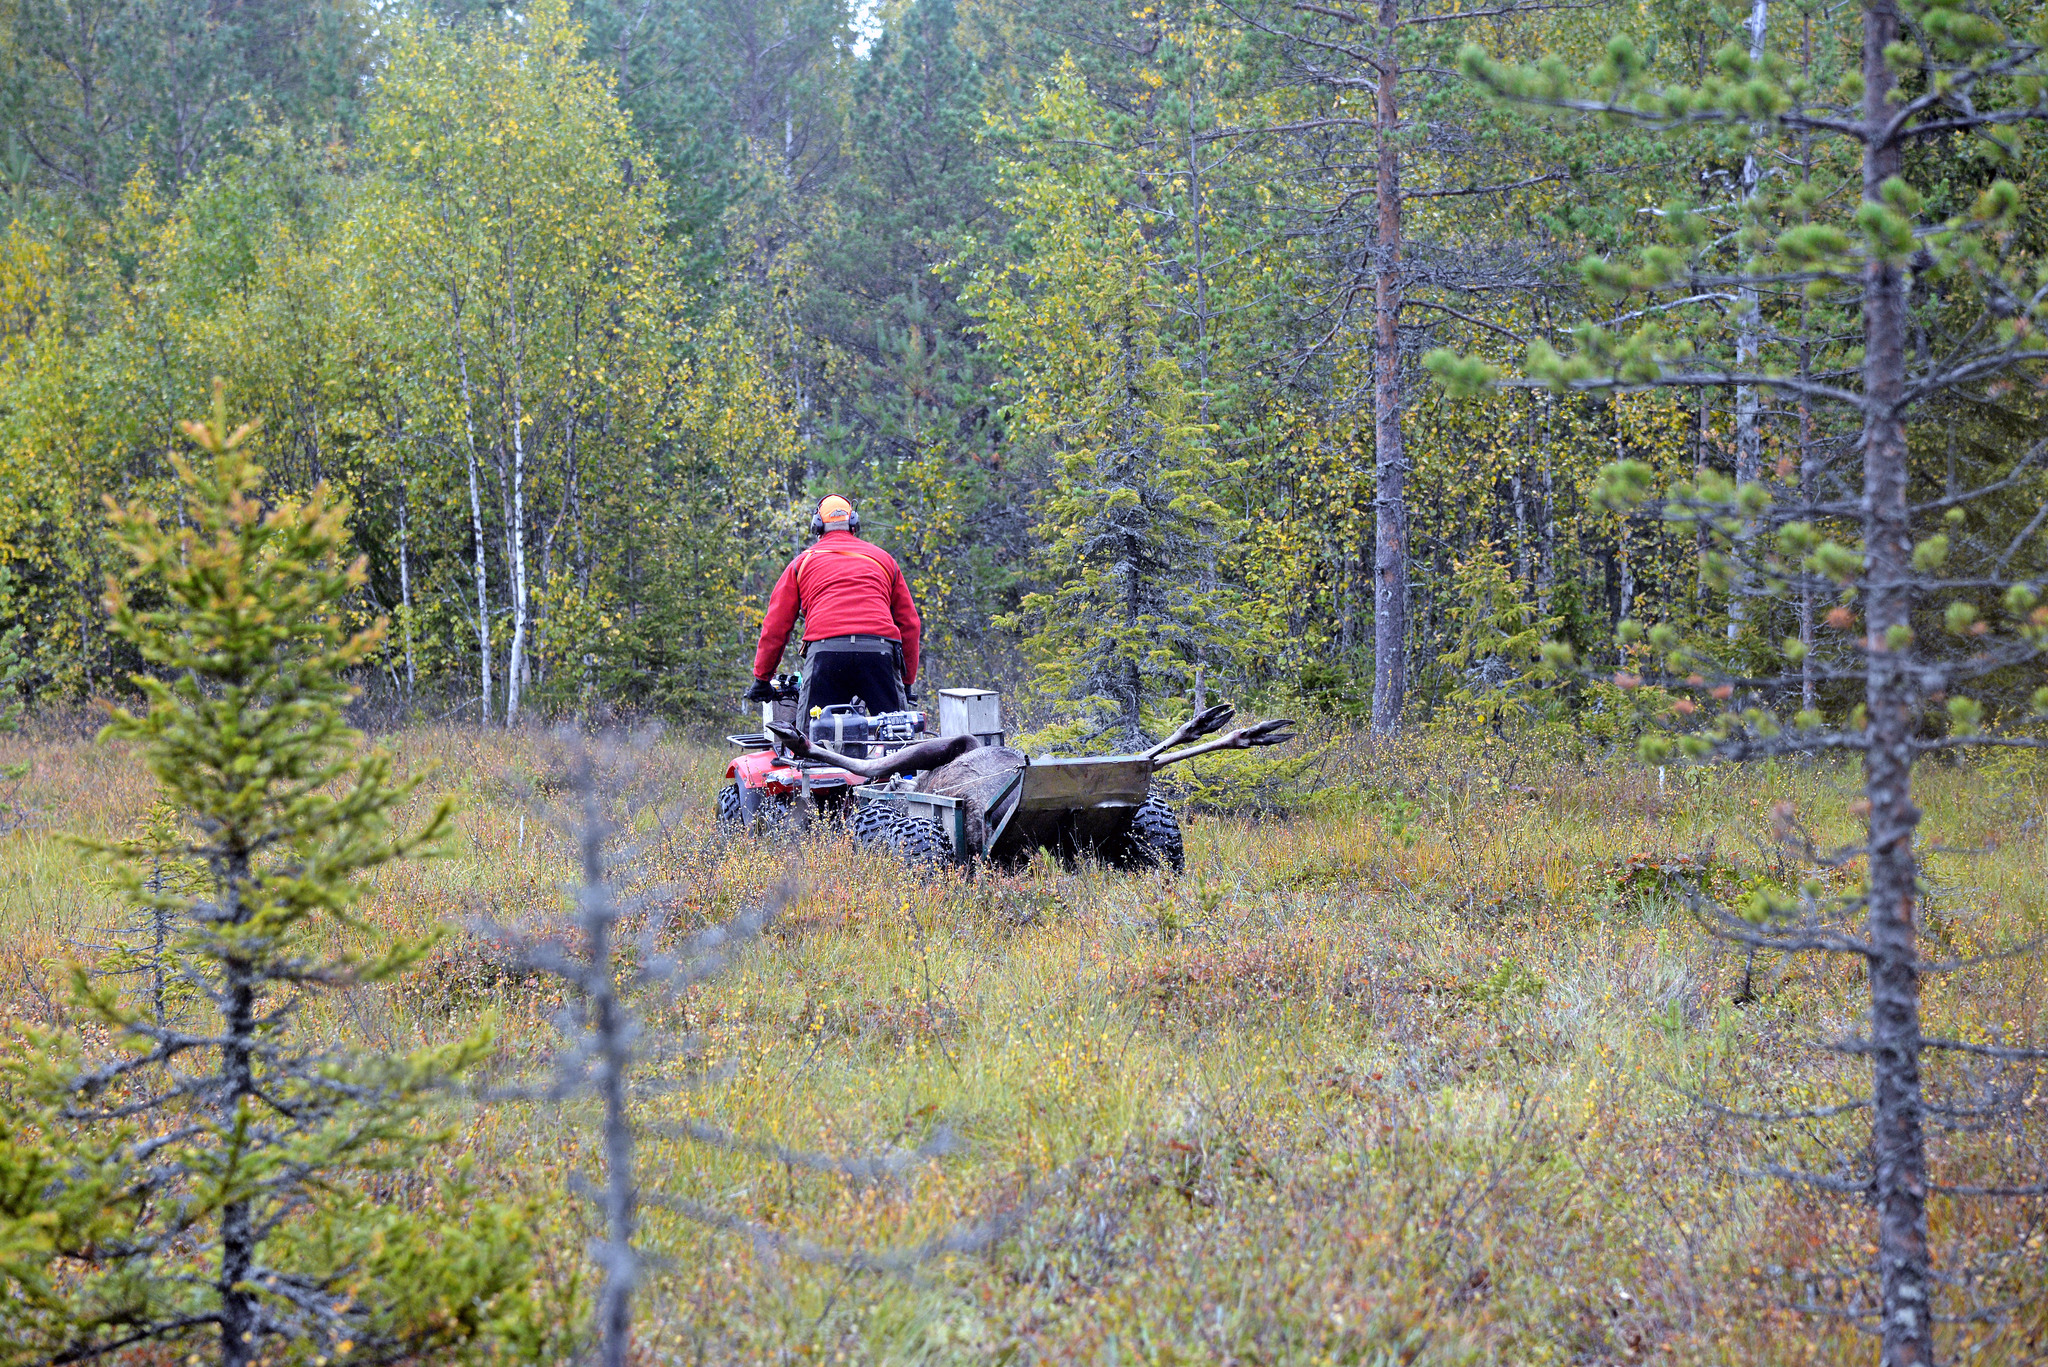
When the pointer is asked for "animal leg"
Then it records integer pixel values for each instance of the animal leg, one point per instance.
(927, 754)
(1208, 720)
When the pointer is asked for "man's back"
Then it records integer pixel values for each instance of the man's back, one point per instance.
(847, 586)
(850, 593)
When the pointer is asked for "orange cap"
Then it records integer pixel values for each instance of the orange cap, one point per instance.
(835, 511)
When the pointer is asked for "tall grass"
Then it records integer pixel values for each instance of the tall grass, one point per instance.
(1348, 1090)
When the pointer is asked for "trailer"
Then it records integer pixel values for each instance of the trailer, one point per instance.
(1075, 808)
(955, 798)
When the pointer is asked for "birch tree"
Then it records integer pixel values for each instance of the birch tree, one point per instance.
(516, 226)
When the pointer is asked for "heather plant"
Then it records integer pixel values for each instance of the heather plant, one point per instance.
(201, 1175)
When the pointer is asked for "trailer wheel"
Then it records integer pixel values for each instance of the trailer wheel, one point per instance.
(1155, 838)
(731, 816)
(921, 844)
(869, 825)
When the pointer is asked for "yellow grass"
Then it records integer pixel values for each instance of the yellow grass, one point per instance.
(1328, 1096)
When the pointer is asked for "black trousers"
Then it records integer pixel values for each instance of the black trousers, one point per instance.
(834, 675)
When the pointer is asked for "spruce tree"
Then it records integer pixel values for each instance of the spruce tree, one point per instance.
(203, 1176)
(1128, 626)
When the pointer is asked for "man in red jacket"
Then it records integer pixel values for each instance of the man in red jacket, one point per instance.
(860, 627)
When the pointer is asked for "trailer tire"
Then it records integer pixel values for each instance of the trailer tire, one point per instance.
(731, 815)
(1155, 840)
(870, 822)
(921, 844)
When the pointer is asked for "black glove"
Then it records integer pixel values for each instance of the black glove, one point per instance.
(762, 691)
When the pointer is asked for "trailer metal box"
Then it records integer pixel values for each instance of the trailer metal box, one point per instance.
(976, 712)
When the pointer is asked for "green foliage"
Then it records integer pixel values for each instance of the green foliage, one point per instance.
(1506, 667)
(1129, 616)
(206, 1176)
(96, 91)
(702, 265)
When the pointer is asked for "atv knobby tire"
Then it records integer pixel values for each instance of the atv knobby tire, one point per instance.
(731, 816)
(1154, 841)
(921, 844)
(870, 822)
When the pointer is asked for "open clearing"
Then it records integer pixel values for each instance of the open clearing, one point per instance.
(1331, 1095)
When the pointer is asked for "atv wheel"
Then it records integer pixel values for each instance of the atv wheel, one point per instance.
(870, 822)
(1154, 841)
(731, 816)
(921, 844)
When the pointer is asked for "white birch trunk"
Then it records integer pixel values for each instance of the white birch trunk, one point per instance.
(515, 664)
(1748, 441)
(405, 569)
(476, 525)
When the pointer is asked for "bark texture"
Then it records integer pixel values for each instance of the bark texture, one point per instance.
(1899, 1176)
(1390, 497)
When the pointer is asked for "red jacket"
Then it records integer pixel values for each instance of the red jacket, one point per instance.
(843, 586)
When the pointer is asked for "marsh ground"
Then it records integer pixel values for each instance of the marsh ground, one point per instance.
(1404, 1076)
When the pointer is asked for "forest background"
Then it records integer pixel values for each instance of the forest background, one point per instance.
(1093, 313)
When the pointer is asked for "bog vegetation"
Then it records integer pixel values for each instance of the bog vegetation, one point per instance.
(1614, 430)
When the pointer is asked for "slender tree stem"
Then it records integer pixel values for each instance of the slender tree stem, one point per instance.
(476, 520)
(239, 1308)
(515, 662)
(1893, 700)
(1390, 500)
(1748, 440)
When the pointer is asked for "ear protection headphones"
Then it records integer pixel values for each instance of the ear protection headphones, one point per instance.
(818, 521)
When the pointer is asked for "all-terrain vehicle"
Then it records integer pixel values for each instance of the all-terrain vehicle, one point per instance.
(766, 784)
(962, 795)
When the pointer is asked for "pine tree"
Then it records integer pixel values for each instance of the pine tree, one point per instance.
(1944, 300)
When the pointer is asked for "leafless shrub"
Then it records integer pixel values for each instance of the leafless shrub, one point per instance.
(619, 955)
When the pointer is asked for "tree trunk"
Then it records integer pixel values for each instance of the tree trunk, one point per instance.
(1748, 440)
(1699, 536)
(515, 663)
(541, 623)
(1806, 496)
(1200, 264)
(1390, 505)
(476, 526)
(239, 1308)
(1546, 531)
(1892, 696)
(611, 1028)
(405, 570)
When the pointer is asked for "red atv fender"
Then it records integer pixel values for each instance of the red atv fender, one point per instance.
(764, 771)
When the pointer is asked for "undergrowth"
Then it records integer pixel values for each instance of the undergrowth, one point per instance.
(1404, 1077)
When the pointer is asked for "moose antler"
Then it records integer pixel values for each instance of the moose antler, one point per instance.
(1205, 722)
(1244, 738)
